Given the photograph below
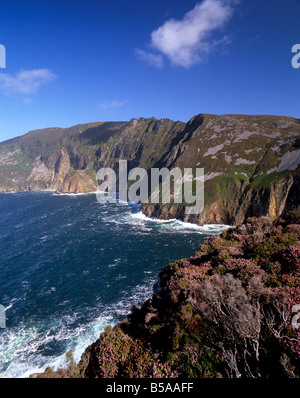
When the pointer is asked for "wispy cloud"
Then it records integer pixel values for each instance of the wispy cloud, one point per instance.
(155, 60)
(114, 104)
(26, 82)
(187, 41)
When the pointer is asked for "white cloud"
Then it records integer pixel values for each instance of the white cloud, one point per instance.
(25, 82)
(112, 104)
(155, 60)
(186, 41)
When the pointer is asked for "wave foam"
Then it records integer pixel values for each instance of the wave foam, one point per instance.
(22, 349)
(73, 194)
(182, 225)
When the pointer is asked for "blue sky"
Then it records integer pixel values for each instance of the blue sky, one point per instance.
(75, 61)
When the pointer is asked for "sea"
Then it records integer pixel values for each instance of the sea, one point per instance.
(70, 266)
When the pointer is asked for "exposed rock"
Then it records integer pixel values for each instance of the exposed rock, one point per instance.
(61, 168)
(290, 161)
(40, 171)
(79, 181)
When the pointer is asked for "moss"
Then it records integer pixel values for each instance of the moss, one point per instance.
(267, 179)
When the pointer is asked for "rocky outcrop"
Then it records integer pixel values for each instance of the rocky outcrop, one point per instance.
(61, 168)
(79, 181)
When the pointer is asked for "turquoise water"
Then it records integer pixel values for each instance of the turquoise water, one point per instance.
(70, 266)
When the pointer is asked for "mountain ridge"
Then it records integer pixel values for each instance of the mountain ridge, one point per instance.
(251, 162)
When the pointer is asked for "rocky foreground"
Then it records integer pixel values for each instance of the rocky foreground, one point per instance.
(228, 311)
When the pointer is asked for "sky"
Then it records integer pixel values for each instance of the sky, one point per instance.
(78, 61)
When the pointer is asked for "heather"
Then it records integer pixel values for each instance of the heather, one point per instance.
(225, 312)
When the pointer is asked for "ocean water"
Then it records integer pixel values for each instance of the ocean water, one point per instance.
(70, 266)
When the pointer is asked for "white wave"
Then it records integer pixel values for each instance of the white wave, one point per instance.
(20, 349)
(171, 225)
(179, 224)
(142, 216)
(13, 301)
(205, 227)
(73, 194)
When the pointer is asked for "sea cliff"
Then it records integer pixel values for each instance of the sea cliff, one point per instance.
(251, 163)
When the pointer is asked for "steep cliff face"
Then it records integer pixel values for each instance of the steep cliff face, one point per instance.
(251, 163)
(251, 167)
(243, 201)
(78, 181)
(61, 168)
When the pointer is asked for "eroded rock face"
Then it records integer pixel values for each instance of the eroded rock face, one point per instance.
(61, 168)
(40, 171)
(251, 163)
(79, 181)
